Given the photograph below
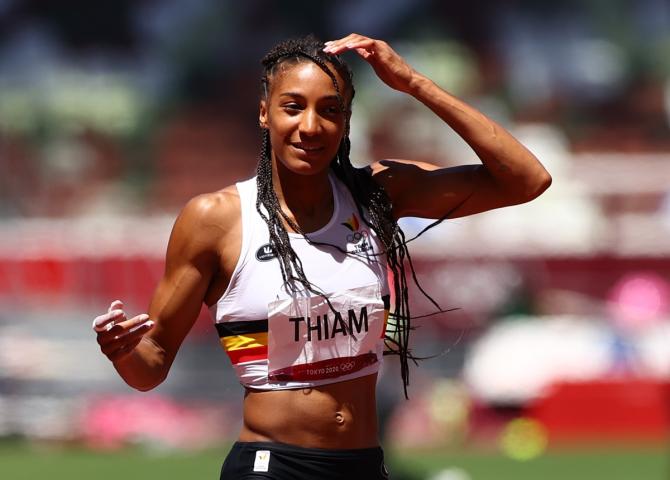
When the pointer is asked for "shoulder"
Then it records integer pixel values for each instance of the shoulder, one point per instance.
(211, 210)
(207, 219)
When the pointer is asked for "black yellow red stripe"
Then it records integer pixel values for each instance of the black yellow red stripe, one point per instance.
(244, 341)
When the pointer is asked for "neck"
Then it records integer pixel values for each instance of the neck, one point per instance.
(306, 199)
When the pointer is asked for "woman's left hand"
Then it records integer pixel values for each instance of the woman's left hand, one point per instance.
(390, 67)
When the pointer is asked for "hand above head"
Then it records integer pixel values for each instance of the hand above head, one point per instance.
(509, 175)
(116, 334)
(390, 67)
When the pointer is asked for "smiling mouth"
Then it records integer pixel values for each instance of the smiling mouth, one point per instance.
(307, 148)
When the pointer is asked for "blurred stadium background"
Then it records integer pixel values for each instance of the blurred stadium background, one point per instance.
(556, 363)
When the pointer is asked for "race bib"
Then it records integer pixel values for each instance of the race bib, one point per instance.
(309, 340)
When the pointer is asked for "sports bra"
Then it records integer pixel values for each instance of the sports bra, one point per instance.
(276, 339)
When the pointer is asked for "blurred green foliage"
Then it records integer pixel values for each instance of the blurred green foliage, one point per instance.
(593, 462)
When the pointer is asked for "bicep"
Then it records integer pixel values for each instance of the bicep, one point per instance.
(190, 265)
(419, 189)
(176, 304)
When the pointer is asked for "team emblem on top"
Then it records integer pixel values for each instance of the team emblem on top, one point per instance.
(357, 241)
(265, 253)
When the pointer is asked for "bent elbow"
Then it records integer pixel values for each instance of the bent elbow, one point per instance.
(530, 191)
(145, 383)
(542, 184)
(145, 387)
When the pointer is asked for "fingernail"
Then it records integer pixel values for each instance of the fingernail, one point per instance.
(99, 323)
(144, 317)
(150, 324)
(328, 42)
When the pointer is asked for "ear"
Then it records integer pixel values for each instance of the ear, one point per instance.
(263, 115)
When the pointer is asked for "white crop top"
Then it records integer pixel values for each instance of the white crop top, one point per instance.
(276, 340)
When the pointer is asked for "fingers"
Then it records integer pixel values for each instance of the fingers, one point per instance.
(352, 37)
(137, 323)
(116, 334)
(348, 43)
(371, 50)
(105, 322)
(115, 305)
(114, 314)
(124, 336)
(122, 331)
(364, 46)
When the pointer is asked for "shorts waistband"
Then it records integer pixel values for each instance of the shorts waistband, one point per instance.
(296, 449)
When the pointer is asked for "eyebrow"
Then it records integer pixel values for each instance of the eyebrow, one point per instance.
(296, 94)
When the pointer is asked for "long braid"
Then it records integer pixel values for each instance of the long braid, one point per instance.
(279, 241)
(374, 205)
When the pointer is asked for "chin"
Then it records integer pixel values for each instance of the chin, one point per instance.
(308, 170)
(302, 167)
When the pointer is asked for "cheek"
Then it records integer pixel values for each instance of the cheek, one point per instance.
(281, 128)
(336, 129)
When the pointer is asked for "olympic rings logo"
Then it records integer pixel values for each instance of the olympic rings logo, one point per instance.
(345, 367)
(356, 236)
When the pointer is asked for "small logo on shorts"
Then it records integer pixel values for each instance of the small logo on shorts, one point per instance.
(265, 253)
(262, 461)
(385, 471)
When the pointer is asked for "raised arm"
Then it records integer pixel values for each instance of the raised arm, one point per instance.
(509, 174)
(143, 355)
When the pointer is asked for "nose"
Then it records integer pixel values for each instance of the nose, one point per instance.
(309, 123)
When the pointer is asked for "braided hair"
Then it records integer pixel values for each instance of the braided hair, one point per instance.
(373, 204)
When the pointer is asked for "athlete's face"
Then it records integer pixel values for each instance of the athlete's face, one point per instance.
(304, 118)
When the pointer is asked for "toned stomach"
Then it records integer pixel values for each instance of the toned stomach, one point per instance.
(335, 416)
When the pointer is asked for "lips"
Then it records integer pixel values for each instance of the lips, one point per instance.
(307, 148)
(308, 151)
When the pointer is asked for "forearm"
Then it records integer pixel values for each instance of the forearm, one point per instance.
(145, 367)
(512, 166)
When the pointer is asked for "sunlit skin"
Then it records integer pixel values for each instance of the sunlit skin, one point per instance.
(305, 131)
(306, 125)
(304, 117)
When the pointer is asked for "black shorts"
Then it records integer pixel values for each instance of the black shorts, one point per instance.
(279, 461)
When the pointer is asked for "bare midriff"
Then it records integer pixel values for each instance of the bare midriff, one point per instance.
(340, 415)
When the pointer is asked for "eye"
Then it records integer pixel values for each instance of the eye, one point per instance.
(292, 107)
(332, 110)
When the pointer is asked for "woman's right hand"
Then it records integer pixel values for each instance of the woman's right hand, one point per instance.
(116, 334)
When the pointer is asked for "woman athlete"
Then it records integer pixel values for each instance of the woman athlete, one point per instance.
(293, 263)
